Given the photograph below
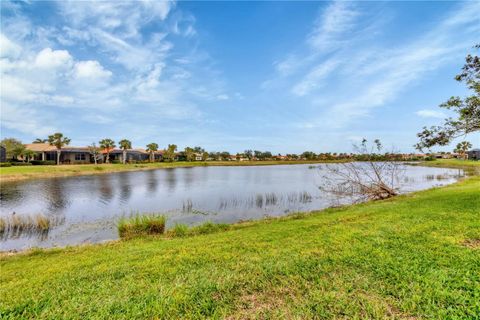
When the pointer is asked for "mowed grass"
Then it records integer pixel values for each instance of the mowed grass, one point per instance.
(452, 163)
(16, 173)
(412, 257)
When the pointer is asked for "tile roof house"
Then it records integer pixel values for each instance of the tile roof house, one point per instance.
(47, 152)
(3, 154)
(474, 154)
(137, 154)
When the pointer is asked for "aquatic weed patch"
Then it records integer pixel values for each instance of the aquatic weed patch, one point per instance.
(141, 224)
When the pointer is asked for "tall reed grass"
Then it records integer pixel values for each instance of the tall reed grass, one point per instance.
(141, 224)
(15, 224)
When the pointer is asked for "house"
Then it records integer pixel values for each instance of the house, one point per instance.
(3, 154)
(442, 155)
(79, 155)
(280, 157)
(68, 155)
(198, 157)
(132, 155)
(474, 154)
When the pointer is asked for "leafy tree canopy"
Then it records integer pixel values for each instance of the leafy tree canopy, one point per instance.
(125, 144)
(467, 110)
(107, 144)
(13, 147)
(58, 140)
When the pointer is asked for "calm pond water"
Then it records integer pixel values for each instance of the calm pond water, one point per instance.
(86, 209)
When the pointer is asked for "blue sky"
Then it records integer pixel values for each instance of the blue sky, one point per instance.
(277, 76)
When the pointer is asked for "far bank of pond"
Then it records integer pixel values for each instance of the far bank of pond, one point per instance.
(85, 209)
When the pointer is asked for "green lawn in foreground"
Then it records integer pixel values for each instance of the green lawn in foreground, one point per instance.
(27, 172)
(412, 257)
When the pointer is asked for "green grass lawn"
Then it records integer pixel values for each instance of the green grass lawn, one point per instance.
(412, 257)
(27, 172)
(453, 163)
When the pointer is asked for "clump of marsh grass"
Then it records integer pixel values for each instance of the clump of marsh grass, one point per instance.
(179, 230)
(16, 225)
(3, 225)
(187, 206)
(182, 230)
(209, 227)
(141, 224)
(271, 199)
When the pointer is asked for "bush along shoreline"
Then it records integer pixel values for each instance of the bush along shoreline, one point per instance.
(148, 224)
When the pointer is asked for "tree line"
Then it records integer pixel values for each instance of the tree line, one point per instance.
(101, 150)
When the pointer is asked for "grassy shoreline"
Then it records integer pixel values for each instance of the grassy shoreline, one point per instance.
(17, 173)
(414, 256)
(473, 166)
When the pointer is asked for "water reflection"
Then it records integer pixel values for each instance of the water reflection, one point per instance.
(171, 179)
(125, 187)
(55, 195)
(152, 181)
(105, 191)
(87, 207)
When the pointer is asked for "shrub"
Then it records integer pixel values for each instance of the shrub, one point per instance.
(179, 230)
(115, 161)
(182, 230)
(43, 163)
(139, 225)
(5, 164)
(20, 164)
(209, 227)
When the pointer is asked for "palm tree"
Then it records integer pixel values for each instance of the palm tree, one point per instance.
(59, 141)
(169, 154)
(462, 148)
(108, 145)
(125, 144)
(189, 154)
(152, 147)
(38, 140)
(28, 154)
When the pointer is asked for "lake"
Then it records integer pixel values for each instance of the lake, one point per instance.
(86, 209)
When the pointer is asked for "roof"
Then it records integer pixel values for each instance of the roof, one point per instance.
(76, 149)
(40, 147)
(136, 150)
(475, 150)
(45, 147)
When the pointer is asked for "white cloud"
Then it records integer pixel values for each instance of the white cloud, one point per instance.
(336, 29)
(330, 30)
(313, 80)
(127, 72)
(53, 59)
(223, 97)
(124, 17)
(8, 49)
(425, 113)
(348, 82)
(25, 120)
(91, 70)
